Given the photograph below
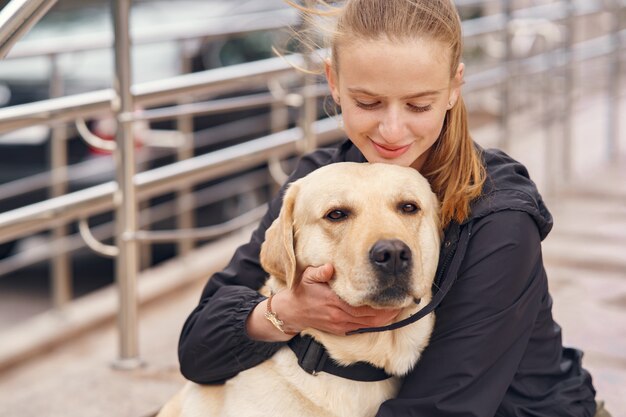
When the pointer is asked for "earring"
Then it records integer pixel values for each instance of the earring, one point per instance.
(450, 105)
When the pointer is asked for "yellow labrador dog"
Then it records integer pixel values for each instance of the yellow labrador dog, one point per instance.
(378, 225)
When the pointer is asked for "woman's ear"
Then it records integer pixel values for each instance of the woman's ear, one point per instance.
(277, 255)
(457, 82)
(331, 78)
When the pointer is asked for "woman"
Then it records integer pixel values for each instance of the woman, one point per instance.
(395, 71)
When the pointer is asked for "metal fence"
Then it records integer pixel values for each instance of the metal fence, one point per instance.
(530, 39)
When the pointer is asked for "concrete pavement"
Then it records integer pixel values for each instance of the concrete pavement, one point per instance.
(59, 364)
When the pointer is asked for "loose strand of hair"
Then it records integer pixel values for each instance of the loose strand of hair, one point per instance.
(330, 11)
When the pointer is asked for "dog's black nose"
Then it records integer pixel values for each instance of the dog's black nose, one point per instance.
(392, 256)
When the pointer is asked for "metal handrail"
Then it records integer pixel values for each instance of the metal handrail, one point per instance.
(247, 182)
(84, 203)
(203, 233)
(16, 19)
(240, 24)
(93, 243)
(210, 29)
(91, 139)
(214, 81)
(196, 85)
(226, 105)
(209, 82)
(93, 168)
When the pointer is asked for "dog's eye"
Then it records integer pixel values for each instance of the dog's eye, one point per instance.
(336, 215)
(409, 208)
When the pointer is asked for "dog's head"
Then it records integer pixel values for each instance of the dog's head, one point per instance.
(377, 224)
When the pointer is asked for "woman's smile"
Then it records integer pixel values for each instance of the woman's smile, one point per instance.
(389, 151)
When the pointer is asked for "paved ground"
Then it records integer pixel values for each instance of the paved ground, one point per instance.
(75, 376)
(586, 262)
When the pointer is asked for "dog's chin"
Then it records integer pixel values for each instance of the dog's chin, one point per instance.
(391, 298)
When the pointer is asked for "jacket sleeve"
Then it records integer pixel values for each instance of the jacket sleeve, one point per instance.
(483, 325)
(213, 344)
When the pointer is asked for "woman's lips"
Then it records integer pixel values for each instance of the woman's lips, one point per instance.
(390, 153)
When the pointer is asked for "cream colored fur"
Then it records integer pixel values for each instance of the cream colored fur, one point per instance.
(373, 195)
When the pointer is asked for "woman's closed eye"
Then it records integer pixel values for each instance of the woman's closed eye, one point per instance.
(419, 109)
(375, 104)
(366, 105)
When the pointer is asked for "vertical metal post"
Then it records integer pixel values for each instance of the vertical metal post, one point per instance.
(613, 112)
(547, 112)
(309, 111)
(279, 121)
(567, 94)
(309, 106)
(505, 109)
(184, 196)
(126, 212)
(60, 263)
(279, 114)
(145, 248)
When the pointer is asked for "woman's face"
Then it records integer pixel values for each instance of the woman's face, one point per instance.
(394, 97)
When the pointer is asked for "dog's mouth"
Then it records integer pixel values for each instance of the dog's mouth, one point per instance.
(392, 297)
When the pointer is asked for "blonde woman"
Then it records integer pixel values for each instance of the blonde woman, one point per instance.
(396, 73)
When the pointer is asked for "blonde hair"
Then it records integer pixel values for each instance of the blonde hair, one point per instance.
(454, 167)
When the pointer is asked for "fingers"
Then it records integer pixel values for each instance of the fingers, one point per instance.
(315, 305)
(318, 273)
(341, 322)
(367, 314)
(323, 274)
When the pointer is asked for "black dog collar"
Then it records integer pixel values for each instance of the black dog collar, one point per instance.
(313, 358)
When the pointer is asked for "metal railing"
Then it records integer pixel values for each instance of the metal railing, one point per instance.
(123, 195)
(88, 202)
(130, 189)
(226, 27)
(16, 19)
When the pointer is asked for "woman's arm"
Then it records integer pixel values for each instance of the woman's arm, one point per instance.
(213, 344)
(483, 325)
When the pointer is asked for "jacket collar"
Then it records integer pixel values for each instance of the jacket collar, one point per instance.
(508, 187)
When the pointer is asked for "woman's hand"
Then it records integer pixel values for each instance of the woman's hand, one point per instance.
(313, 304)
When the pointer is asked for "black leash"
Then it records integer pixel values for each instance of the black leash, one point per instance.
(428, 308)
(313, 357)
(445, 257)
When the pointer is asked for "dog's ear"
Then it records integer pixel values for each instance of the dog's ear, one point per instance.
(278, 256)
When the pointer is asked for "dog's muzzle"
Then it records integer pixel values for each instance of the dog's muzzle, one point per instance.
(392, 261)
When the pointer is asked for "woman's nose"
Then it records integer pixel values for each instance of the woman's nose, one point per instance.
(391, 127)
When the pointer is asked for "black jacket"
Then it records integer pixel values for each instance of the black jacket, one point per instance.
(495, 349)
